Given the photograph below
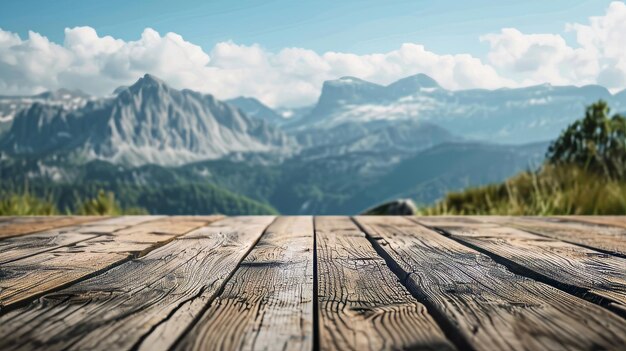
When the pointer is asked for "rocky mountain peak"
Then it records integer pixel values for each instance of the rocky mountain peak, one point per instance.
(411, 85)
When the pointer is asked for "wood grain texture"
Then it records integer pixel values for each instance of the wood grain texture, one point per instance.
(362, 305)
(616, 221)
(599, 237)
(268, 302)
(26, 278)
(154, 297)
(433, 221)
(584, 272)
(488, 306)
(16, 226)
(26, 245)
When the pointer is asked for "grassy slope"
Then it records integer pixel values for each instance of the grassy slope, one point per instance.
(186, 198)
(554, 190)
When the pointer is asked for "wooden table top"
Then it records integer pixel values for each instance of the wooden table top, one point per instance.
(312, 283)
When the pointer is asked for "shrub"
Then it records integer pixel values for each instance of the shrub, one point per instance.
(596, 143)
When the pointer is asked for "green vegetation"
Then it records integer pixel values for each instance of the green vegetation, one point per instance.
(26, 204)
(104, 203)
(584, 173)
(102, 198)
(596, 143)
(553, 190)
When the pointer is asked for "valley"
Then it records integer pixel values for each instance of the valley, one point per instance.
(175, 151)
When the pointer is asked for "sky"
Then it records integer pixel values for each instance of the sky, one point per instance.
(282, 51)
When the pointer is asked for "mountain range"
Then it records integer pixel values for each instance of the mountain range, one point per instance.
(148, 122)
(360, 144)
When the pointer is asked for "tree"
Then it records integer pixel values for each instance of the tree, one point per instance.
(597, 143)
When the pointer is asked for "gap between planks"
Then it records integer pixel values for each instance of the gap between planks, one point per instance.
(148, 300)
(594, 276)
(268, 302)
(483, 300)
(24, 279)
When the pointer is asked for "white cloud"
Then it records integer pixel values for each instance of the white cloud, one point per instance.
(599, 56)
(539, 58)
(294, 76)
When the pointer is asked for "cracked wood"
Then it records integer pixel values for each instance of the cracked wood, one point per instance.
(488, 306)
(268, 303)
(599, 237)
(362, 304)
(31, 276)
(587, 273)
(136, 300)
(26, 245)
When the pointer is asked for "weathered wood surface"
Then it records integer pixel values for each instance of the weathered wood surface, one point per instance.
(34, 275)
(26, 245)
(144, 303)
(15, 226)
(488, 306)
(581, 271)
(268, 303)
(362, 304)
(616, 221)
(599, 237)
(146, 283)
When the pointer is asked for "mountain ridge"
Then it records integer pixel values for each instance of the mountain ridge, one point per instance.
(148, 122)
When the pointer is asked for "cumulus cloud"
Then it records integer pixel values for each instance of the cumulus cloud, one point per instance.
(539, 58)
(599, 55)
(293, 76)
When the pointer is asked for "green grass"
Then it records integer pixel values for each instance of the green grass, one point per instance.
(101, 198)
(553, 190)
(26, 204)
(104, 203)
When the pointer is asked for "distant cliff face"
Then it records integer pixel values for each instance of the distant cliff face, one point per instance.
(521, 115)
(361, 144)
(360, 124)
(256, 109)
(147, 122)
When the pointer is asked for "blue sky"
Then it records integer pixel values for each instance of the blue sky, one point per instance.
(349, 26)
(281, 52)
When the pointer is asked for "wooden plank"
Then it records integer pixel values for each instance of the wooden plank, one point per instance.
(268, 303)
(586, 273)
(434, 221)
(615, 221)
(25, 225)
(162, 292)
(26, 278)
(598, 237)
(26, 245)
(490, 307)
(362, 305)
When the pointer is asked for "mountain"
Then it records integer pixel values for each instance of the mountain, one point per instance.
(148, 122)
(291, 114)
(430, 174)
(518, 116)
(335, 184)
(410, 85)
(378, 144)
(360, 145)
(11, 105)
(346, 119)
(256, 109)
